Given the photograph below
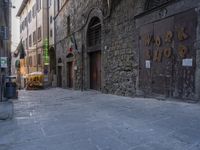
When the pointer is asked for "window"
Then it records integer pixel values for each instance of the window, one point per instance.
(30, 40)
(34, 60)
(68, 25)
(34, 37)
(39, 59)
(38, 5)
(20, 28)
(39, 33)
(23, 24)
(51, 33)
(50, 3)
(26, 21)
(34, 11)
(26, 43)
(29, 17)
(58, 5)
(51, 19)
(30, 61)
(94, 32)
(27, 61)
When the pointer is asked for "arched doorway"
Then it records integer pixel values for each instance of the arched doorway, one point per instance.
(70, 71)
(52, 66)
(52, 56)
(94, 51)
(59, 77)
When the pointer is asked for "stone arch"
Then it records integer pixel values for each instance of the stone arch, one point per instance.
(70, 55)
(93, 52)
(94, 12)
(94, 33)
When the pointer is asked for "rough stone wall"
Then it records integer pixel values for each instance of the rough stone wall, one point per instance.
(78, 12)
(119, 52)
(120, 57)
(198, 55)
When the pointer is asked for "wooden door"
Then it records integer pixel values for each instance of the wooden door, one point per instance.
(162, 57)
(70, 74)
(167, 56)
(95, 71)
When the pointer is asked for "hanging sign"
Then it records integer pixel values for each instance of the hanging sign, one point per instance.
(4, 62)
(46, 52)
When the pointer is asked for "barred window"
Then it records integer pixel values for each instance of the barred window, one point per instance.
(94, 32)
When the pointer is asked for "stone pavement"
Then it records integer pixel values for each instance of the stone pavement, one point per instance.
(59, 119)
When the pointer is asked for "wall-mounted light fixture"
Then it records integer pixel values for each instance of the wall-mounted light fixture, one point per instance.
(163, 13)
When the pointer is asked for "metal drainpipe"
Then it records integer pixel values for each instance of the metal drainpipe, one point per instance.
(82, 73)
(48, 24)
(54, 35)
(48, 67)
(36, 37)
(0, 65)
(27, 44)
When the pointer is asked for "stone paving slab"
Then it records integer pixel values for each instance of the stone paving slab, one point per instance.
(6, 110)
(59, 119)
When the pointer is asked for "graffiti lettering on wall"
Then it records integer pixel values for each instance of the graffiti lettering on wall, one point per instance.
(166, 39)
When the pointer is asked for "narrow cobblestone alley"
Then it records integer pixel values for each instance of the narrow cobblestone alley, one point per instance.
(59, 119)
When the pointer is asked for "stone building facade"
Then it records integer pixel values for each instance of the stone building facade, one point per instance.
(5, 40)
(34, 35)
(129, 47)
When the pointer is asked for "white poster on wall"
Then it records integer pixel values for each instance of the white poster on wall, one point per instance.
(148, 64)
(187, 62)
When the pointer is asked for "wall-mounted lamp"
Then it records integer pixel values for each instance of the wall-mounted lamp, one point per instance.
(163, 13)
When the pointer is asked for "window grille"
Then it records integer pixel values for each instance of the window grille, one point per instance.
(94, 32)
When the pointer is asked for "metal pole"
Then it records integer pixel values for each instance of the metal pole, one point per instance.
(48, 39)
(54, 39)
(82, 63)
(27, 44)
